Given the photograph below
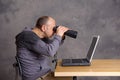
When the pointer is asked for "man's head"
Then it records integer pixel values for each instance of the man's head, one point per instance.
(46, 25)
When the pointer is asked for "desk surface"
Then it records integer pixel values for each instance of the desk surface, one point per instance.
(98, 67)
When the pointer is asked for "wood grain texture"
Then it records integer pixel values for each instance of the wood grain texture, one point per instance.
(99, 67)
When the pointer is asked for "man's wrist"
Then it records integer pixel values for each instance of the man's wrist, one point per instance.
(59, 35)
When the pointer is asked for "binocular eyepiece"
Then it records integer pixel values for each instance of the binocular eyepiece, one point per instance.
(70, 33)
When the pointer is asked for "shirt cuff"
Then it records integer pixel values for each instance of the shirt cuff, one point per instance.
(58, 37)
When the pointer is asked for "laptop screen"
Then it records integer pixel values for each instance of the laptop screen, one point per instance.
(92, 48)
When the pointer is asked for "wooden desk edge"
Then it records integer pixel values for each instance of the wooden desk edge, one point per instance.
(58, 73)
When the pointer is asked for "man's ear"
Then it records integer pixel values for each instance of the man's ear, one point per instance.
(43, 28)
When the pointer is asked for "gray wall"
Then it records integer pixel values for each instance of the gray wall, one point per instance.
(88, 17)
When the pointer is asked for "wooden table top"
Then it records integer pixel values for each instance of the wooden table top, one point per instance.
(98, 67)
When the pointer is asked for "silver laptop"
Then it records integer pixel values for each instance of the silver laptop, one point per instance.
(84, 61)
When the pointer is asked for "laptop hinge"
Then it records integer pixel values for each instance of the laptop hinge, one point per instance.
(88, 60)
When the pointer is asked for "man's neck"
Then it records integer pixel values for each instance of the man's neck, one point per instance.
(38, 32)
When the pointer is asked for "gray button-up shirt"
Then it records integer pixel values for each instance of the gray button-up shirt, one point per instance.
(33, 53)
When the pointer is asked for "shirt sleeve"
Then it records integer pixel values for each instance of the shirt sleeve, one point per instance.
(32, 42)
(48, 49)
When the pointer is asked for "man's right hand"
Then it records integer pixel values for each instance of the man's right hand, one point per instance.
(61, 30)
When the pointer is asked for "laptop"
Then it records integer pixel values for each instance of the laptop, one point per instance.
(83, 61)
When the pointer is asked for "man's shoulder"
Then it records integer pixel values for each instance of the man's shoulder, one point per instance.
(26, 34)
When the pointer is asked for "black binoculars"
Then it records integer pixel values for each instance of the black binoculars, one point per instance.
(70, 33)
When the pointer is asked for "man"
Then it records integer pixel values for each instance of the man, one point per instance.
(34, 46)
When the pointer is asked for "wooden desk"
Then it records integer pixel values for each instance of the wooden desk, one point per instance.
(99, 67)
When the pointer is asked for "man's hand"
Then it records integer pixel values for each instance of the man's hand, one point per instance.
(61, 30)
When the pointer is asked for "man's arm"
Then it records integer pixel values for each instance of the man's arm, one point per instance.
(49, 49)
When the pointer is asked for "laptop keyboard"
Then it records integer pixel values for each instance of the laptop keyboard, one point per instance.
(77, 60)
(66, 60)
(74, 60)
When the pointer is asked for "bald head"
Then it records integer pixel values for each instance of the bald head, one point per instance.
(44, 20)
(45, 24)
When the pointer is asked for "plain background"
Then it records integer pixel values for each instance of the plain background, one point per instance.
(88, 17)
